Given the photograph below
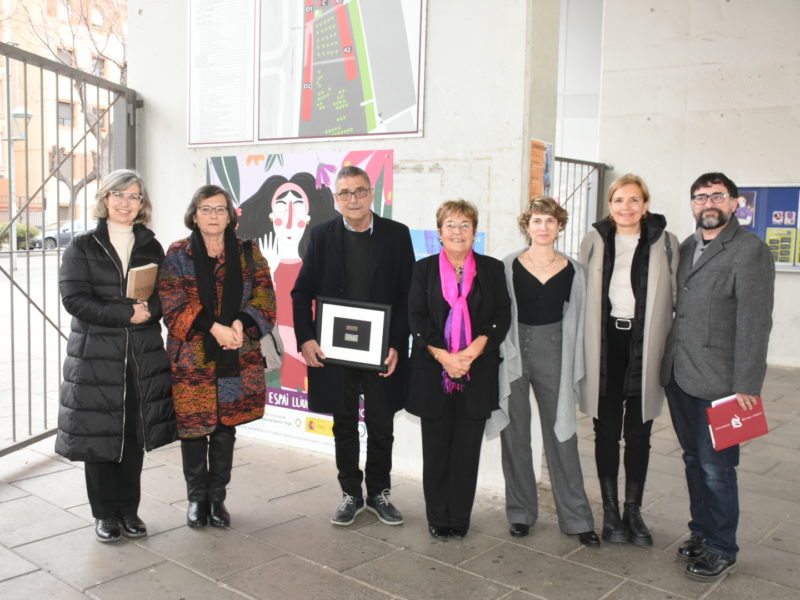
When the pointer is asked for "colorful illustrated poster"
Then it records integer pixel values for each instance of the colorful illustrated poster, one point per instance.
(772, 214)
(279, 198)
(541, 171)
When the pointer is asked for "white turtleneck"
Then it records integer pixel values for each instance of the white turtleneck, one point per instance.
(122, 240)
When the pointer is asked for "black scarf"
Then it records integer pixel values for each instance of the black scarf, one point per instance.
(227, 360)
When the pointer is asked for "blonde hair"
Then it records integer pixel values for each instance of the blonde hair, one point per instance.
(117, 181)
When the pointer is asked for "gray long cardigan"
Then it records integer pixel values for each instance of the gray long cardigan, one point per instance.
(572, 365)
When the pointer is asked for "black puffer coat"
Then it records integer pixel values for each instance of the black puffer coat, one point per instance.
(91, 418)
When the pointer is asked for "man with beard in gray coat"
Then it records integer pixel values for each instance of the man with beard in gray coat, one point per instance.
(717, 347)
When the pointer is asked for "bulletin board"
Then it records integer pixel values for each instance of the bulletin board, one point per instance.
(771, 212)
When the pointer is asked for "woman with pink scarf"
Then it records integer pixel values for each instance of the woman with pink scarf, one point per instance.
(459, 313)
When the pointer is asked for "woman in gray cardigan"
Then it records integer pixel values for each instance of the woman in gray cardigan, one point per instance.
(544, 351)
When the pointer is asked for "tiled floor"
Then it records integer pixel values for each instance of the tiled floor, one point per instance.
(282, 546)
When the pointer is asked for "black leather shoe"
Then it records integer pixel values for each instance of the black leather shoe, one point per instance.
(106, 530)
(218, 515)
(440, 533)
(197, 513)
(386, 512)
(458, 533)
(710, 567)
(693, 548)
(589, 538)
(519, 530)
(132, 526)
(348, 510)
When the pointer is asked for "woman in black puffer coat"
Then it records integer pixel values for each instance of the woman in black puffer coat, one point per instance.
(116, 397)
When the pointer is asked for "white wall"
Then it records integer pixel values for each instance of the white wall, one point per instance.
(483, 73)
(691, 86)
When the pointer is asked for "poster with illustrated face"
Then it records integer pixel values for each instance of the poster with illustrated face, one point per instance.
(279, 198)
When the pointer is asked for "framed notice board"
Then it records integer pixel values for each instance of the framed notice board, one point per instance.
(771, 212)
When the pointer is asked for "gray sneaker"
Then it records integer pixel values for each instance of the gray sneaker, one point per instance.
(348, 510)
(380, 506)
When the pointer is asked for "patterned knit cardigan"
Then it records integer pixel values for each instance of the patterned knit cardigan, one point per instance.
(202, 399)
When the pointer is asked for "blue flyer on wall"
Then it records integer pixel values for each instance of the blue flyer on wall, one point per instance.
(771, 212)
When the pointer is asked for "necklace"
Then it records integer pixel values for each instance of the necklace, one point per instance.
(458, 270)
(530, 260)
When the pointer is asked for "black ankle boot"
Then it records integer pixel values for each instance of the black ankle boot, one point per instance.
(218, 515)
(636, 531)
(613, 530)
(197, 513)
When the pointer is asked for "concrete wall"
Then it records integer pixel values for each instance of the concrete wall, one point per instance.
(488, 89)
(690, 86)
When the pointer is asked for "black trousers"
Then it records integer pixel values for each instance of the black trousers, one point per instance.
(379, 419)
(451, 450)
(618, 415)
(207, 464)
(114, 488)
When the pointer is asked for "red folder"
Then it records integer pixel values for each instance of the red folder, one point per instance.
(729, 425)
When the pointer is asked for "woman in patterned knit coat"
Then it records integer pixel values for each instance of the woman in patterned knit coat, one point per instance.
(218, 302)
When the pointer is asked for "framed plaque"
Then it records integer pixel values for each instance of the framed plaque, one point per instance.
(353, 333)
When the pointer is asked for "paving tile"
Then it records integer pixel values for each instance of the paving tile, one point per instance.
(545, 535)
(10, 492)
(769, 564)
(785, 536)
(541, 574)
(318, 502)
(413, 536)
(12, 565)
(65, 488)
(635, 591)
(646, 566)
(36, 586)
(334, 547)
(26, 463)
(164, 580)
(78, 559)
(30, 518)
(290, 577)
(164, 482)
(217, 553)
(248, 516)
(744, 587)
(415, 577)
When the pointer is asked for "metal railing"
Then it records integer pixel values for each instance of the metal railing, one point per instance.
(578, 186)
(62, 130)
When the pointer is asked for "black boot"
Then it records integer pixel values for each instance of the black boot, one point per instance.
(220, 463)
(613, 530)
(637, 532)
(195, 471)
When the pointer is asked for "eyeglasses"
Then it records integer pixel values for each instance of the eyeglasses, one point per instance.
(701, 199)
(123, 197)
(209, 210)
(452, 226)
(359, 193)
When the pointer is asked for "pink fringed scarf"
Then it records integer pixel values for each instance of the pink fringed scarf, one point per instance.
(458, 327)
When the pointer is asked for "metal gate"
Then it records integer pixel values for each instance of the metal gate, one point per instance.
(62, 130)
(578, 186)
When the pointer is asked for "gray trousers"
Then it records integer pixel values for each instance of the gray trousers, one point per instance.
(540, 348)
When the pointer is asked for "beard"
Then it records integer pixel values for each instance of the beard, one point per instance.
(712, 218)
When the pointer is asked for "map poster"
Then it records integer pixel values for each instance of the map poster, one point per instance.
(304, 69)
(279, 198)
(771, 212)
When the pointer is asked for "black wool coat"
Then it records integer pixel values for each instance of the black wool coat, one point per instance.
(490, 314)
(102, 342)
(391, 258)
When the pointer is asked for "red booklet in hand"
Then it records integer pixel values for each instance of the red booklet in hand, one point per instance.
(729, 425)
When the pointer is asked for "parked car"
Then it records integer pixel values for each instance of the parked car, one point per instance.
(61, 236)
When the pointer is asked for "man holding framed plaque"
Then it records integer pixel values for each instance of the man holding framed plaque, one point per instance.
(357, 270)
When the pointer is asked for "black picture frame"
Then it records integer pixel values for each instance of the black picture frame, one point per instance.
(352, 333)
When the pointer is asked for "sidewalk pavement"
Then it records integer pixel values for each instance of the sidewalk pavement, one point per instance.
(281, 544)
